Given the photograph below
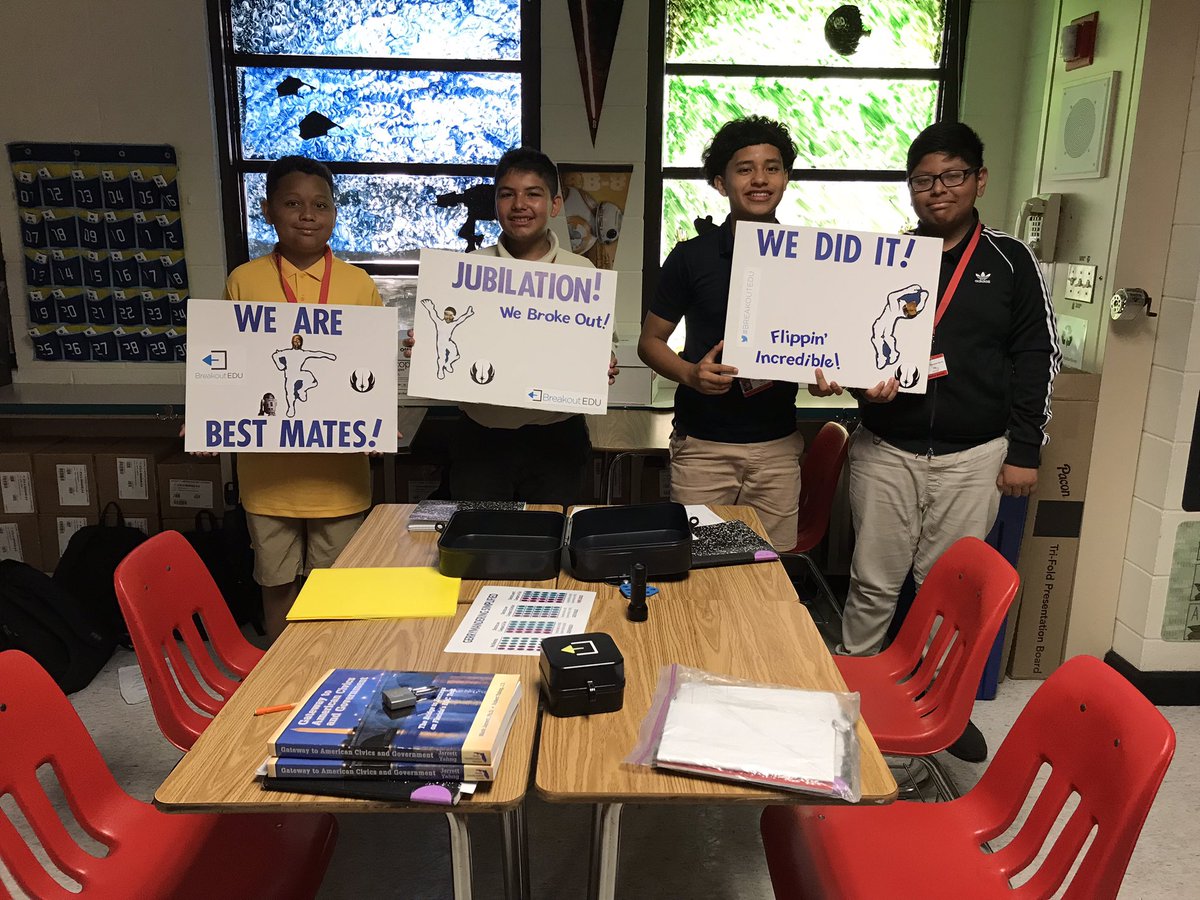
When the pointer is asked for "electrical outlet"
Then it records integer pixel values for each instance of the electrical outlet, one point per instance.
(1081, 283)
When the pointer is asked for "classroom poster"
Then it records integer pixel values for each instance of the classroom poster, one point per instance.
(290, 377)
(857, 305)
(506, 332)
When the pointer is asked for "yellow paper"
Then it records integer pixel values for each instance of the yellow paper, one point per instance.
(393, 593)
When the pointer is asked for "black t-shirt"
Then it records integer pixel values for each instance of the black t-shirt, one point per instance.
(694, 286)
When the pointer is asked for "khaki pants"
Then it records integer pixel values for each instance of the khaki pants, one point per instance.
(907, 511)
(765, 476)
(286, 548)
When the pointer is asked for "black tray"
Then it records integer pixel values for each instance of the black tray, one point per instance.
(506, 545)
(606, 541)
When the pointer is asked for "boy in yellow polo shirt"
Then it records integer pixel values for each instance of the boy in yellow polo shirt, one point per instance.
(302, 508)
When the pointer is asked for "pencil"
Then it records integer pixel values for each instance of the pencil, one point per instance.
(283, 707)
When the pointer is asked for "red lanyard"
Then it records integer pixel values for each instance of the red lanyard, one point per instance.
(323, 297)
(958, 274)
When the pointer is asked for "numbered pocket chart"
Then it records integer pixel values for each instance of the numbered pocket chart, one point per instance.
(102, 238)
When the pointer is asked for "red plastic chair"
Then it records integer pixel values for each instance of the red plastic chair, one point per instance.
(1102, 740)
(917, 695)
(148, 854)
(161, 585)
(818, 484)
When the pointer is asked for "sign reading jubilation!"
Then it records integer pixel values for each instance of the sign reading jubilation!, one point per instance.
(507, 332)
(290, 376)
(859, 306)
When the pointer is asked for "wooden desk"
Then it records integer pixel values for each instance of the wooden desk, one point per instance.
(723, 620)
(217, 774)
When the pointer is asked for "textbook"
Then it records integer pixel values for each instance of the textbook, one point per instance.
(441, 793)
(315, 767)
(459, 717)
(428, 514)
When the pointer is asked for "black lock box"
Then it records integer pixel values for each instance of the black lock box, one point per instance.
(582, 674)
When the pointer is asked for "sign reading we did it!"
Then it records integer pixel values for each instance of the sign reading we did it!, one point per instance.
(860, 306)
(290, 376)
(506, 332)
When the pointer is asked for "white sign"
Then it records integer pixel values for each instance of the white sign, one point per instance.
(512, 333)
(290, 377)
(857, 305)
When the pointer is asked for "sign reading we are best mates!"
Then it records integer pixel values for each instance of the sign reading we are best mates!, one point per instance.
(860, 306)
(290, 377)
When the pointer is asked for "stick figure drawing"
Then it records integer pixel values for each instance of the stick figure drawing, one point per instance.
(906, 303)
(297, 379)
(444, 324)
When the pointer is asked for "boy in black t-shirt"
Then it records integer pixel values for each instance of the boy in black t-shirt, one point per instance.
(735, 439)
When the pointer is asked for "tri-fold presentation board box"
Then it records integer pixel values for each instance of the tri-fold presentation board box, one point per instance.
(1050, 544)
(127, 475)
(56, 532)
(187, 484)
(20, 539)
(65, 477)
(18, 495)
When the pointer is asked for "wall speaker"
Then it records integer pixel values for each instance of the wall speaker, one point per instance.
(1083, 133)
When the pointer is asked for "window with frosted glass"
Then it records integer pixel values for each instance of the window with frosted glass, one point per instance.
(409, 102)
(852, 115)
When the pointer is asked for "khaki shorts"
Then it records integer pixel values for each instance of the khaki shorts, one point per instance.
(286, 548)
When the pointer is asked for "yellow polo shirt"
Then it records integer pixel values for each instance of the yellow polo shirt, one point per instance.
(303, 485)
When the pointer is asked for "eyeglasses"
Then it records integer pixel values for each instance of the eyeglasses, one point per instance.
(951, 178)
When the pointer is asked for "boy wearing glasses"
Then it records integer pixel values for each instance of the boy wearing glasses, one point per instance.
(926, 470)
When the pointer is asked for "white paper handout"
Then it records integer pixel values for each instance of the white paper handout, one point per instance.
(857, 305)
(781, 737)
(507, 332)
(290, 377)
(508, 620)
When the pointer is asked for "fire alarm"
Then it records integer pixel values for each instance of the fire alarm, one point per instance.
(1079, 41)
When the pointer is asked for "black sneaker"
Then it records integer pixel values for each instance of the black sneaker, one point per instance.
(971, 746)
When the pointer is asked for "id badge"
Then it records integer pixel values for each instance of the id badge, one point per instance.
(752, 386)
(937, 366)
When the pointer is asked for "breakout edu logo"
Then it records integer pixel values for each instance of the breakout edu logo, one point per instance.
(565, 398)
(749, 295)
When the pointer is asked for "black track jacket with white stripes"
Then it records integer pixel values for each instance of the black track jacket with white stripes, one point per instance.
(1001, 348)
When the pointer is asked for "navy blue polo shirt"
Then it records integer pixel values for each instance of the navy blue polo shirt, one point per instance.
(694, 286)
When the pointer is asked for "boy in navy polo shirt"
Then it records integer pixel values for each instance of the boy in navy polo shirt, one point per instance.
(735, 439)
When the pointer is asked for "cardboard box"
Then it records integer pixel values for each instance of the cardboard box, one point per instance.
(635, 384)
(187, 484)
(56, 532)
(1050, 545)
(65, 477)
(634, 387)
(21, 540)
(18, 496)
(127, 475)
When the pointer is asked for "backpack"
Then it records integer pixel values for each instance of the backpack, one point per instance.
(88, 564)
(40, 618)
(224, 547)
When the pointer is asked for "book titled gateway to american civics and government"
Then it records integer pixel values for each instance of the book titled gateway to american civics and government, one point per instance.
(378, 770)
(459, 717)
